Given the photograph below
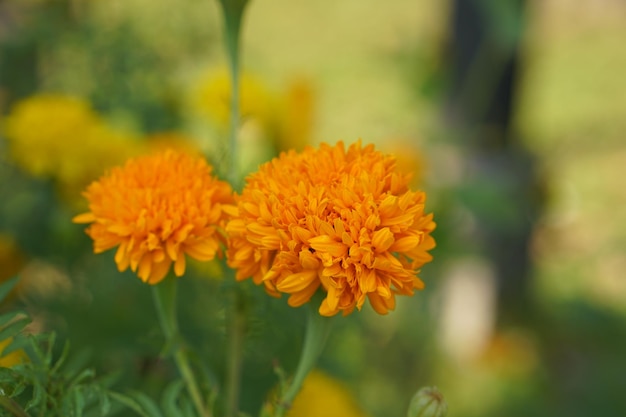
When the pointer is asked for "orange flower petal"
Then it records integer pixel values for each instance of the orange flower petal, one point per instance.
(296, 282)
(84, 218)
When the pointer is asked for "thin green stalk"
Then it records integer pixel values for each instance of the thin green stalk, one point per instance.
(165, 302)
(12, 407)
(317, 330)
(236, 335)
(233, 11)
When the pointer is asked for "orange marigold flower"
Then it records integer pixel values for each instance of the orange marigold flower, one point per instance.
(341, 220)
(157, 209)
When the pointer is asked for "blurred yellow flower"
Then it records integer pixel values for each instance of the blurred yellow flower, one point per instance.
(103, 149)
(157, 209)
(297, 117)
(324, 396)
(14, 358)
(61, 137)
(173, 140)
(283, 119)
(343, 220)
(43, 128)
(214, 95)
(409, 158)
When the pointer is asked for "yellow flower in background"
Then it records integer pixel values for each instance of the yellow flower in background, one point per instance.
(42, 128)
(282, 119)
(297, 117)
(14, 358)
(214, 94)
(157, 209)
(172, 140)
(101, 150)
(408, 157)
(61, 137)
(324, 396)
(341, 220)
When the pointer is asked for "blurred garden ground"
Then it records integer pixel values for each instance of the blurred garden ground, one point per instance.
(354, 69)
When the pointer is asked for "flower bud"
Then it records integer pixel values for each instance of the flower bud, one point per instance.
(427, 402)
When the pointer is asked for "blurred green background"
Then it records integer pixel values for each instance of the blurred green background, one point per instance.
(523, 312)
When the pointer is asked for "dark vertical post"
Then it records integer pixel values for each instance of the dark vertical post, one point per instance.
(505, 199)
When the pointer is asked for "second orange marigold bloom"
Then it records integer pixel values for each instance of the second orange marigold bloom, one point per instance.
(343, 220)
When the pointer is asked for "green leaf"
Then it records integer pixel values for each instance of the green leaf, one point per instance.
(105, 402)
(50, 351)
(82, 376)
(14, 328)
(134, 404)
(7, 286)
(79, 402)
(188, 409)
(19, 342)
(62, 358)
(170, 397)
(67, 404)
(129, 402)
(12, 382)
(11, 406)
(39, 395)
(147, 403)
(6, 318)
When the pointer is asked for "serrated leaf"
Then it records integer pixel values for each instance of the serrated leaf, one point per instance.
(6, 318)
(108, 380)
(64, 353)
(36, 351)
(67, 404)
(14, 328)
(105, 402)
(19, 342)
(7, 286)
(138, 402)
(188, 408)
(7, 376)
(79, 402)
(85, 374)
(39, 394)
(147, 403)
(17, 389)
(129, 402)
(13, 407)
(47, 358)
(13, 382)
(170, 397)
(33, 348)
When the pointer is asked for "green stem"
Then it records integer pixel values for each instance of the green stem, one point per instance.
(11, 406)
(165, 302)
(237, 331)
(233, 11)
(317, 330)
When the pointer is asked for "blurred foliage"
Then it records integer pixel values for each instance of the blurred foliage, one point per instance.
(136, 64)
